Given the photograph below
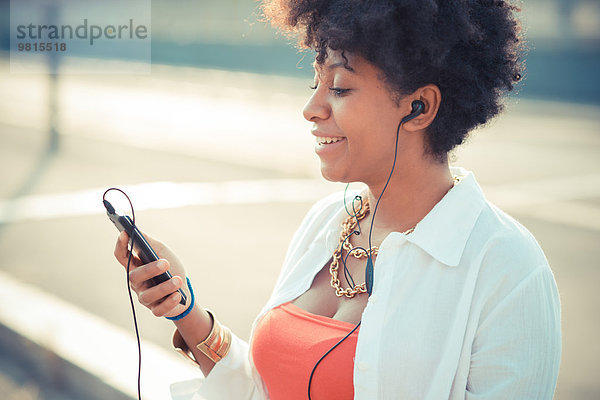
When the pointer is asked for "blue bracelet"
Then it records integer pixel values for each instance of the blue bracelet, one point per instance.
(189, 309)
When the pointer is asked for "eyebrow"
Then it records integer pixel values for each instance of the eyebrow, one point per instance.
(340, 64)
(333, 66)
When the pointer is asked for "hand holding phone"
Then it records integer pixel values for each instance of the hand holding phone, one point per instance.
(141, 247)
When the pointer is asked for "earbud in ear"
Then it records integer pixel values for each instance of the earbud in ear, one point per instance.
(417, 108)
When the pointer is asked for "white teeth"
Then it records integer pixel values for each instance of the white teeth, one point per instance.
(323, 140)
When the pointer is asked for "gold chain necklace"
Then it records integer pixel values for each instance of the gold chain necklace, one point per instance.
(348, 226)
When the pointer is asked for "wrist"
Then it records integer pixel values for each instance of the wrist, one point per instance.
(196, 326)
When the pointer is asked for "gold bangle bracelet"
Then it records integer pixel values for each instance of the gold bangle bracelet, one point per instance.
(217, 344)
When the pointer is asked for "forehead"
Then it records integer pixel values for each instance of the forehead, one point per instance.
(337, 59)
(351, 65)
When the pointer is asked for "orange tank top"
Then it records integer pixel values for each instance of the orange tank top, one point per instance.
(287, 343)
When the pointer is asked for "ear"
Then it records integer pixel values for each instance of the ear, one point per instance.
(431, 96)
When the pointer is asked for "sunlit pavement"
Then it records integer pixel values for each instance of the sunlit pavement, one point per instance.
(233, 145)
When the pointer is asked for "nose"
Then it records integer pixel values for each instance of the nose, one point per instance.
(316, 107)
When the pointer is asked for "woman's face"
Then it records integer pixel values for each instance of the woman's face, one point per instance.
(354, 120)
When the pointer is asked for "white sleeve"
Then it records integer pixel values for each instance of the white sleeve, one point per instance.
(230, 379)
(510, 363)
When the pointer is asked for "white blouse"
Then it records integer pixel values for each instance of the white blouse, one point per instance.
(465, 307)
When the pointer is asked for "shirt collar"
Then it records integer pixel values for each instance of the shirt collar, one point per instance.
(444, 231)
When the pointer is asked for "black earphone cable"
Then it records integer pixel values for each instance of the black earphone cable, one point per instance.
(368, 260)
(325, 355)
(357, 231)
(369, 269)
(347, 275)
(135, 323)
(385, 186)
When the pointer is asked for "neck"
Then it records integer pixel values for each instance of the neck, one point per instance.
(408, 198)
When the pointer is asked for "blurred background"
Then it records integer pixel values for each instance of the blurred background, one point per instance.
(211, 145)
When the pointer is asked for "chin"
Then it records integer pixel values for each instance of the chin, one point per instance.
(328, 176)
(333, 175)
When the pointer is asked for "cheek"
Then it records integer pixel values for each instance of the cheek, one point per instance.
(366, 126)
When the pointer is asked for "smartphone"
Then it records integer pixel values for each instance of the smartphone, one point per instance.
(141, 247)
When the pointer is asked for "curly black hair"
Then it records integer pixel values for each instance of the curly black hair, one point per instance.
(471, 49)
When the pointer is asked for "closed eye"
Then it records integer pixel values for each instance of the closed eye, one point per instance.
(336, 91)
(339, 92)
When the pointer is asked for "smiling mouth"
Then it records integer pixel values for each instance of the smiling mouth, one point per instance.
(328, 140)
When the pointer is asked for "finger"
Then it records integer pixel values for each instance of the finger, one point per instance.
(157, 293)
(166, 306)
(121, 247)
(142, 275)
(140, 287)
(148, 271)
(122, 251)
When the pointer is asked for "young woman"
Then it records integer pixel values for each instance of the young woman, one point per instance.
(415, 287)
